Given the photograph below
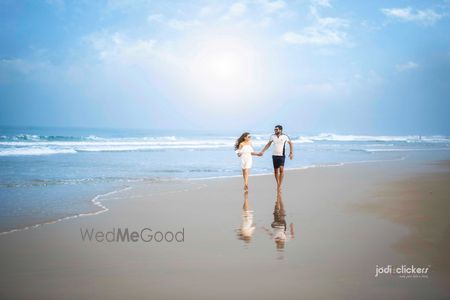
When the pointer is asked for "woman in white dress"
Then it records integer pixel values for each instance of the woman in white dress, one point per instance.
(244, 150)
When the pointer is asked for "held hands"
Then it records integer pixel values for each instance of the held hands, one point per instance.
(291, 156)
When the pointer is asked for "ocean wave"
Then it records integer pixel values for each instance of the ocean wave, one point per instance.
(29, 144)
(50, 138)
(37, 138)
(34, 151)
(76, 181)
(32, 138)
(378, 138)
(13, 148)
(302, 140)
(407, 149)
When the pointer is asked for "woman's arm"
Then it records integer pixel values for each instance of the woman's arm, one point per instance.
(238, 151)
(255, 153)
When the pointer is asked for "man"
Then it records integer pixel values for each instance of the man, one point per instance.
(278, 153)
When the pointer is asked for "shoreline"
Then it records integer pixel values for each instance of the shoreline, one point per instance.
(95, 200)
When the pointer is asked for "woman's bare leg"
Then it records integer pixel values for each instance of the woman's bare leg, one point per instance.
(245, 174)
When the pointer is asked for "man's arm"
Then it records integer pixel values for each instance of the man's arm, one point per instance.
(291, 153)
(266, 147)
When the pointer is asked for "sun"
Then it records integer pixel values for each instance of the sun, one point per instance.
(224, 67)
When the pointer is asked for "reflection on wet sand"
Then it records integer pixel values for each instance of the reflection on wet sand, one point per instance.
(279, 232)
(247, 228)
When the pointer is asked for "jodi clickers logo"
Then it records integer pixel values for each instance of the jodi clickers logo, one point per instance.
(403, 271)
(125, 235)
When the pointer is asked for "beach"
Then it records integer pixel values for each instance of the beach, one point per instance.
(139, 142)
(342, 223)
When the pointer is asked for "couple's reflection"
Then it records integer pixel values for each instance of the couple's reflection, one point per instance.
(247, 228)
(279, 232)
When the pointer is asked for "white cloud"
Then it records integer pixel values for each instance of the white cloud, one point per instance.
(36, 69)
(183, 24)
(333, 22)
(343, 84)
(315, 36)
(427, 16)
(117, 47)
(155, 18)
(324, 3)
(237, 9)
(22, 66)
(326, 31)
(173, 23)
(206, 11)
(271, 6)
(410, 65)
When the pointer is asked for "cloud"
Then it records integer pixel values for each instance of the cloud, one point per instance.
(206, 11)
(333, 22)
(237, 9)
(315, 36)
(407, 14)
(326, 31)
(342, 85)
(410, 65)
(324, 3)
(155, 18)
(183, 24)
(118, 48)
(176, 24)
(35, 69)
(22, 66)
(270, 7)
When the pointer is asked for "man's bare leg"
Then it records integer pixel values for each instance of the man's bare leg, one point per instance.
(280, 177)
(276, 171)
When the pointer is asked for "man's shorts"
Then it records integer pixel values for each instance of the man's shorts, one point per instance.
(278, 161)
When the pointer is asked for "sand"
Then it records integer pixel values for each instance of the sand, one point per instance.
(341, 222)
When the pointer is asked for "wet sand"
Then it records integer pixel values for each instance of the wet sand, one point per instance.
(321, 238)
(422, 203)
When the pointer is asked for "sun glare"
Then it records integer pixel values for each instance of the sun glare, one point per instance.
(223, 65)
(225, 68)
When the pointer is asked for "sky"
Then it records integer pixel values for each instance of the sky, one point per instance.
(347, 67)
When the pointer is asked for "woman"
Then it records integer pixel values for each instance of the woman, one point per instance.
(245, 151)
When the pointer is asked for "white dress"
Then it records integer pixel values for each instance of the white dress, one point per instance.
(246, 156)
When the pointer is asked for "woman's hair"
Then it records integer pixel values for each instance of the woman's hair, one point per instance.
(240, 140)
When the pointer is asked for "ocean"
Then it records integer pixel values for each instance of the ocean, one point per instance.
(48, 174)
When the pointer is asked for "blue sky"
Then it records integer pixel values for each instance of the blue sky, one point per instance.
(350, 67)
